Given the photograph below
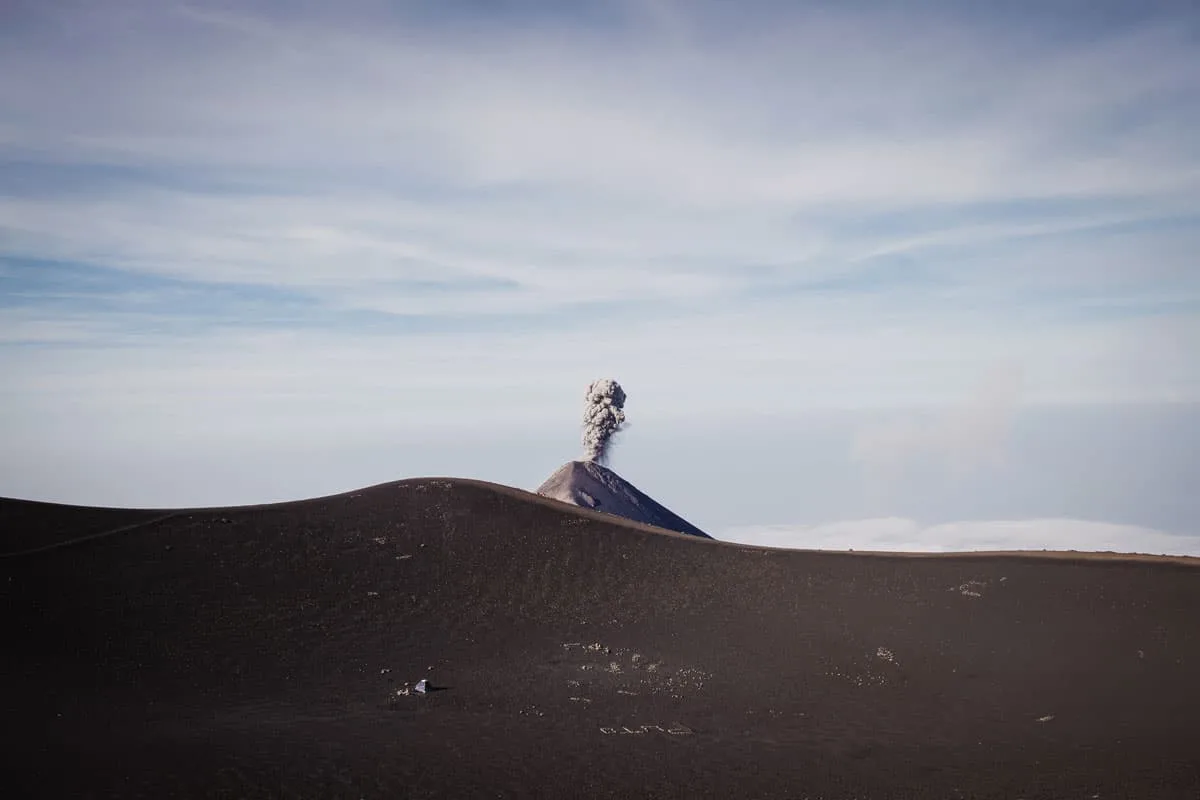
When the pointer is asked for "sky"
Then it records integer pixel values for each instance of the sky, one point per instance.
(871, 275)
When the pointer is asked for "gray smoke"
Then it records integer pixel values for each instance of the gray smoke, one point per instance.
(602, 417)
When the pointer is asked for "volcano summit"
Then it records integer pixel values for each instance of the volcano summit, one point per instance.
(591, 485)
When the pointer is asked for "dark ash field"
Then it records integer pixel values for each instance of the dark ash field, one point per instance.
(270, 651)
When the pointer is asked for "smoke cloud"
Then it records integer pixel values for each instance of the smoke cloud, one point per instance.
(603, 416)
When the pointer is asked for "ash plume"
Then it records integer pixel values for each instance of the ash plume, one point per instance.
(603, 416)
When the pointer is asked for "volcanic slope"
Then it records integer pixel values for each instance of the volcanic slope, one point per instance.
(591, 485)
(265, 651)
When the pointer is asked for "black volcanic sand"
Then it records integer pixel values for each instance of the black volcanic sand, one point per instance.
(258, 652)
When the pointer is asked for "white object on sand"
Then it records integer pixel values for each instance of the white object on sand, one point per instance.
(421, 686)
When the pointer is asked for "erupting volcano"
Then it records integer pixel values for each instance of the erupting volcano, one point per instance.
(591, 484)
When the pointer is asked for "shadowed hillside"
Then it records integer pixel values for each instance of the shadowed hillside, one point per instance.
(268, 651)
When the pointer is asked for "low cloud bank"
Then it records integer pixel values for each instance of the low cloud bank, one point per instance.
(906, 535)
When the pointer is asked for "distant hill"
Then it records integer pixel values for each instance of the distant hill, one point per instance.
(590, 485)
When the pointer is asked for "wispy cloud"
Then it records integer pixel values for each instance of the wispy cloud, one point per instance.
(665, 153)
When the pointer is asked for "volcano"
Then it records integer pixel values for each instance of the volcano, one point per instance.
(590, 485)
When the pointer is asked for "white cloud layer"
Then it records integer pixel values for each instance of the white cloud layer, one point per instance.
(907, 536)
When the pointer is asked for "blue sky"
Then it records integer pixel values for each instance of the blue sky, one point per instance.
(422, 228)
